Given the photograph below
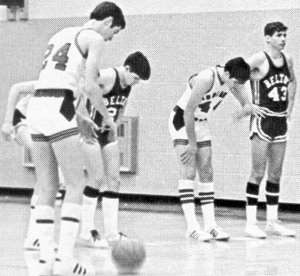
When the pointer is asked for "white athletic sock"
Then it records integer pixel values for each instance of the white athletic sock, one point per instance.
(45, 225)
(110, 207)
(207, 196)
(70, 218)
(186, 194)
(32, 231)
(89, 205)
(272, 212)
(251, 213)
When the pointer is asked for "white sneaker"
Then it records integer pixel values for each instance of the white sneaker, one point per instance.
(70, 267)
(114, 239)
(31, 244)
(199, 235)
(253, 231)
(276, 228)
(45, 267)
(93, 239)
(218, 234)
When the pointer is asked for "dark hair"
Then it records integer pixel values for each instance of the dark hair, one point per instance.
(238, 68)
(273, 27)
(139, 64)
(107, 9)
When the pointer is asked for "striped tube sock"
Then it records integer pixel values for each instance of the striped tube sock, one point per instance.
(70, 218)
(186, 195)
(252, 191)
(207, 197)
(110, 206)
(32, 231)
(89, 205)
(45, 226)
(272, 198)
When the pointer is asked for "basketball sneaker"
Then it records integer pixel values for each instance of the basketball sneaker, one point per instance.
(218, 234)
(276, 228)
(114, 239)
(31, 244)
(71, 267)
(93, 239)
(253, 231)
(199, 235)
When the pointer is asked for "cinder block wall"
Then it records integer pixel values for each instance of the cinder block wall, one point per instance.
(177, 45)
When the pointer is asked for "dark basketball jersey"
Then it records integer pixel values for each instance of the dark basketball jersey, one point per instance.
(271, 91)
(114, 101)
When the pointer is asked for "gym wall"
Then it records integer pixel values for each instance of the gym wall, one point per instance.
(179, 39)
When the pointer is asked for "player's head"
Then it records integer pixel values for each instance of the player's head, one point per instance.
(237, 70)
(112, 17)
(137, 68)
(273, 27)
(275, 33)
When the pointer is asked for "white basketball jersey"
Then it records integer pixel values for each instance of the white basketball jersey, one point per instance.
(61, 61)
(210, 100)
(23, 103)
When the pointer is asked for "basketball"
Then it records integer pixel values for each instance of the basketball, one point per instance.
(128, 255)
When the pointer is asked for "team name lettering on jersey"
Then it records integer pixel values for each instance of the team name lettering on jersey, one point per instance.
(115, 100)
(276, 79)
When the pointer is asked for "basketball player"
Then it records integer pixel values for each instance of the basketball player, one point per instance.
(55, 137)
(15, 126)
(102, 159)
(188, 125)
(273, 86)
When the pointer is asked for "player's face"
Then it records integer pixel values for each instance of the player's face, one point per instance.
(109, 32)
(278, 40)
(234, 83)
(132, 78)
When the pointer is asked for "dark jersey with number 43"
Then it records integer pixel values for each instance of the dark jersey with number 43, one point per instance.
(272, 91)
(114, 101)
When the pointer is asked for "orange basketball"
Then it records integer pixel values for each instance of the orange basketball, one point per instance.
(128, 255)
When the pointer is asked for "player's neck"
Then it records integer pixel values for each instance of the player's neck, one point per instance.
(273, 53)
(121, 71)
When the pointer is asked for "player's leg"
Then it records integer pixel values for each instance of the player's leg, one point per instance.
(23, 138)
(110, 198)
(95, 177)
(275, 163)
(70, 159)
(46, 172)
(259, 149)
(206, 190)
(187, 196)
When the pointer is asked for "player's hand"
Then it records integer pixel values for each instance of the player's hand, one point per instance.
(7, 129)
(190, 154)
(87, 129)
(108, 124)
(259, 111)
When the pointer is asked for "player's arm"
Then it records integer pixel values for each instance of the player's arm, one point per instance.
(292, 87)
(18, 89)
(255, 61)
(202, 84)
(93, 44)
(86, 125)
(247, 108)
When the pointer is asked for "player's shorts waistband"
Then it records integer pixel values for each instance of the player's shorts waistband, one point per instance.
(54, 93)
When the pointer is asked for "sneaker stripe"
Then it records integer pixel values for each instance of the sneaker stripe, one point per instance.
(75, 268)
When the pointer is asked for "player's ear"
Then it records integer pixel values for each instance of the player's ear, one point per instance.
(127, 68)
(108, 21)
